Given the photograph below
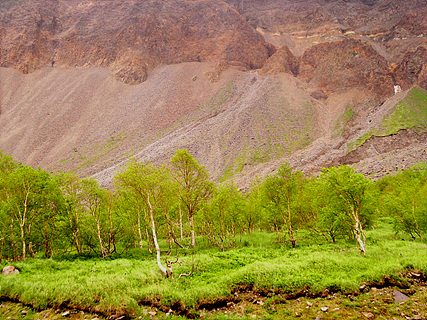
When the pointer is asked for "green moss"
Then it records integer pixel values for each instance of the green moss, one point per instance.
(410, 113)
(419, 166)
(91, 154)
(342, 121)
(236, 167)
(259, 156)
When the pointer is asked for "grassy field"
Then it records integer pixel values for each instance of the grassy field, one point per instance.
(261, 279)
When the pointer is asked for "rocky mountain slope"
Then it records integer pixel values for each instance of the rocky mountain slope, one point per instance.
(242, 84)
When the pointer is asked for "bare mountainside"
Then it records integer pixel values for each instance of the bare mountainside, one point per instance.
(243, 85)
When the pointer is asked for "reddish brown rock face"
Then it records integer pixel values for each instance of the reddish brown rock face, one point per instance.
(281, 61)
(412, 69)
(129, 36)
(344, 64)
(413, 23)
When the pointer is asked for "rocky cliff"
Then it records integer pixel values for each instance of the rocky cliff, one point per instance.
(242, 84)
(130, 37)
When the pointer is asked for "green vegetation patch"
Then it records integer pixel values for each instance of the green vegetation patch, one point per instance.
(118, 285)
(342, 121)
(419, 166)
(410, 113)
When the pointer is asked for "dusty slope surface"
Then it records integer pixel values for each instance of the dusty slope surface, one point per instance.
(240, 119)
(244, 85)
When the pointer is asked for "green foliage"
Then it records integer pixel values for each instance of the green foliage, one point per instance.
(7, 163)
(108, 268)
(403, 197)
(326, 217)
(222, 218)
(194, 185)
(347, 192)
(282, 193)
(30, 202)
(106, 234)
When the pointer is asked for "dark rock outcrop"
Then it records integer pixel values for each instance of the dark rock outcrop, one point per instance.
(412, 69)
(340, 65)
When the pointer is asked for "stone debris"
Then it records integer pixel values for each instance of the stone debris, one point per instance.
(324, 309)
(368, 315)
(66, 314)
(152, 314)
(399, 296)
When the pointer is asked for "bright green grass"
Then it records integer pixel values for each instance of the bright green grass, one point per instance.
(420, 165)
(117, 285)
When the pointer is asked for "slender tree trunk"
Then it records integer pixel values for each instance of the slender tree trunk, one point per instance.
(415, 220)
(24, 245)
(46, 242)
(111, 233)
(76, 242)
(75, 231)
(148, 240)
(99, 235)
(156, 244)
(360, 234)
(290, 227)
(193, 235)
(101, 245)
(52, 238)
(180, 223)
(172, 232)
(139, 230)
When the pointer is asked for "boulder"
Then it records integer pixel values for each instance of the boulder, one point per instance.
(368, 315)
(399, 296)
(9, 270)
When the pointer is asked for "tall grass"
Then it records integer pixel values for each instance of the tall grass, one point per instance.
(117, 285)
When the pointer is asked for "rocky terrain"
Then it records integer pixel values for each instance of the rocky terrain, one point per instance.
(242, 84)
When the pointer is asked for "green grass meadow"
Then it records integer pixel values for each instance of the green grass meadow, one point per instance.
(117, 286)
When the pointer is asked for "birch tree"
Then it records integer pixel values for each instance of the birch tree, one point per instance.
(221, 219)
(152, 186)
(26, 195)
(348, 191)
(194, 185)
(70, 186)
(282, 192)
(95, 202)
(404, 198)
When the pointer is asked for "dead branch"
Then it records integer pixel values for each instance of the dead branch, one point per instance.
(193, 268)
